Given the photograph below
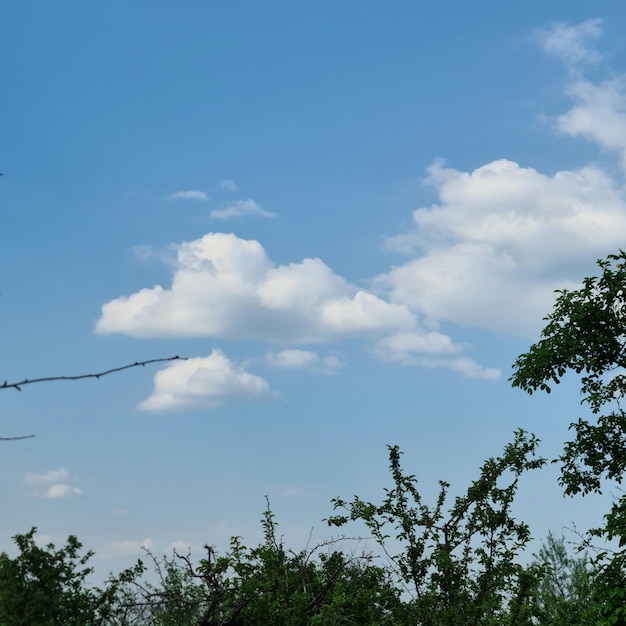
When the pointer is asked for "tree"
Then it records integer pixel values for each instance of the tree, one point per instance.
(46, 586)
(269, 585)
(586, 334)
(566, 589)
(458, 565)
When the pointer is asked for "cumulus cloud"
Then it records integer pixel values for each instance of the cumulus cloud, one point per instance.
(503, 237)
(228, 288)
(571, 42)
(203, 382)
(241, 208)
(191, 194)
(500, 240)
(228, 185)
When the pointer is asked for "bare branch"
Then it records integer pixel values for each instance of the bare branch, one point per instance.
(16, 438)
(26, 381)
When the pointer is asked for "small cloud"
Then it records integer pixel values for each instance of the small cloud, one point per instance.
(43, 539)
(51, 476)
(303, 359)
(332, 363)
(56, 479)
(291, 359)
(148, 253)
(192, 194)
(470, 369)
(241, 208)
(179, 546)
(465, 366)
(144, 252)
(61, 490)
(203, 382)
(124, 547)
(409, 349)
(403, 347)
(228, 185)
(570, 43)
(132, 547)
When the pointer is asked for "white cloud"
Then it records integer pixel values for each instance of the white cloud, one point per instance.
(56, 482)
(241, 208)
(131, 547)
(599, 110)
(292, 359)
(228, 185)
(206, 382)
(598, 114)
(303, 359)
(51, 476)
(402, 347)
(148, 253)
(191, 194)
(61, 490)
(410, 349)
(179, 546)
(43, 540)
(331, 363)
(226, 287)
(499, 242)
(571, 43)
(124, 547)
(465, 366)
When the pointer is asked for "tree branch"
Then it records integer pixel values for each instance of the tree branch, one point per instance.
(26, 381)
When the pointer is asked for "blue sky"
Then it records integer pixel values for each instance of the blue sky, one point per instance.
(350, 217)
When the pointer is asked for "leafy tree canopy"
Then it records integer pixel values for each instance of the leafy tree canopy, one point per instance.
(458, 563)
(586, 333)
(46, 586)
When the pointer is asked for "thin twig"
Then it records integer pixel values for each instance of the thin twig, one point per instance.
(26, 381)
(16, 438)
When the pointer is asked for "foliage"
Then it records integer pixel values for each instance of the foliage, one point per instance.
(47, 586)
(455, 565)
(566, 591)
(459, 565)
(586, 333)
(267, 585)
